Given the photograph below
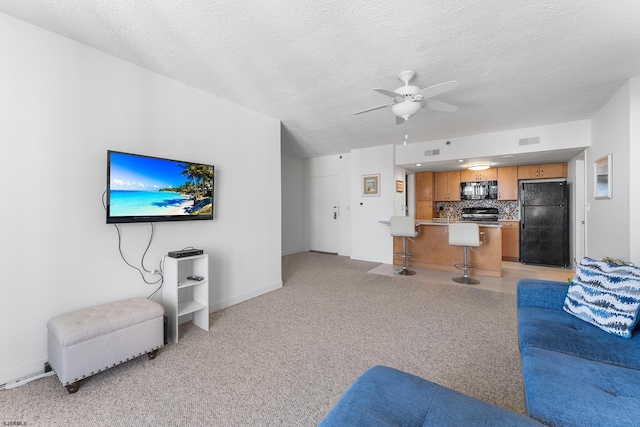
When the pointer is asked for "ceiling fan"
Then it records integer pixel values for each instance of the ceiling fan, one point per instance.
(407, 99)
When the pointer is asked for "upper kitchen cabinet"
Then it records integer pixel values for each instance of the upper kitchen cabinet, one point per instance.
(447, 186)
(508, 183)
(424, 185)
(467, 175)
(424, 195)
(549, 170)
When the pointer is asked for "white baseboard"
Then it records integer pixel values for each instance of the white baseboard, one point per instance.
(297, 251)
(29, 369)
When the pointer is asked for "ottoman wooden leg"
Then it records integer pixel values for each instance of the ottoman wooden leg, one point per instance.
(152, 354)
(72, 388)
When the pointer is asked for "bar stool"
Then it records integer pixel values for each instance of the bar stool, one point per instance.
(466, 235)
(403, 226)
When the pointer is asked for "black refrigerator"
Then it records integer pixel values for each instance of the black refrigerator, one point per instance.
(544, 223)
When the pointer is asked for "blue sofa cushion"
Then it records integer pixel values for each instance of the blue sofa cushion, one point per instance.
(605, 295)
(559, 331)
(541, 293)
(385, 397)
(563, 390)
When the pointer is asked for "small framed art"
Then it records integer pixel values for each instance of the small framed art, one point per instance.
(371, 185)
(603, 182)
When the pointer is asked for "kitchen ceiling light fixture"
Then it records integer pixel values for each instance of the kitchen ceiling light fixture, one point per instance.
(478, 166)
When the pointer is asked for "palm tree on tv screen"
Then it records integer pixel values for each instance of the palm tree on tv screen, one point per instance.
(199, 176)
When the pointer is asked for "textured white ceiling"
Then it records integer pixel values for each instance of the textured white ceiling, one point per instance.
(313, 64)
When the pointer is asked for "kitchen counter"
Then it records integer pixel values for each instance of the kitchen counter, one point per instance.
(431, 249)
(443, 221)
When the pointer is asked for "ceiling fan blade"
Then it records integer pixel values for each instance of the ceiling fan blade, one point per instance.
(374, 108)
(434, 90)
(440, 106)
(388, 92)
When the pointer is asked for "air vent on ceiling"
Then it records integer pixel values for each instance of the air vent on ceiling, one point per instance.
(529, 141)
(435, 152)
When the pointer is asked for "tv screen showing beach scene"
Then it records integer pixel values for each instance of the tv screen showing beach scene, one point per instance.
(146, 189)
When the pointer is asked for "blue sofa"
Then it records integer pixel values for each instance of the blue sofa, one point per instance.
(386, 397)
(574, 374)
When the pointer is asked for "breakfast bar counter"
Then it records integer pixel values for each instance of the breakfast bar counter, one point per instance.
(431, 249)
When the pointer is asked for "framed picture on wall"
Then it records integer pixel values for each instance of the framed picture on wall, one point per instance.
(371, 185)
(602, 172)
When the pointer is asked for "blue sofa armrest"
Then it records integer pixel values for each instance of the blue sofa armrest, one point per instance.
(541, 293)
(386, 397)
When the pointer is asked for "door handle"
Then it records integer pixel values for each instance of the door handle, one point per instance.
(335, 215)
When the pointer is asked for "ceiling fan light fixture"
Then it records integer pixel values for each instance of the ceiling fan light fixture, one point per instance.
(478, 166)
(406, 109)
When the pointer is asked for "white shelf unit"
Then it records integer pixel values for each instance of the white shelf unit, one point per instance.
(184, 299)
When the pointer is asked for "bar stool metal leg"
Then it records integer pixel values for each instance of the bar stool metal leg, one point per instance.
(465, 270)
(404, 255)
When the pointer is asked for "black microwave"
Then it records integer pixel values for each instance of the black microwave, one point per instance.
(479, 190)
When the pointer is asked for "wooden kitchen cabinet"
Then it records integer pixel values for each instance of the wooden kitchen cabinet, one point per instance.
(548, 170)
(467, 175)
(447, 186)
(425, 207)
(553, 170)
(510, 240)
(440, 186)
(424, 185)
(507, 183)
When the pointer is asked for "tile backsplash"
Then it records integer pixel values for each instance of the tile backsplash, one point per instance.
(508, 210)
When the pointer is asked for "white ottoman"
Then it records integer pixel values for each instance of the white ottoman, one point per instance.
(84, 342)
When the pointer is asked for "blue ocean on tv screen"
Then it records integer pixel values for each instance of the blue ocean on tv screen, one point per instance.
(147, 203)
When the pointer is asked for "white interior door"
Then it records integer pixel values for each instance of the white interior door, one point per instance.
(580, 208)
(324, 230)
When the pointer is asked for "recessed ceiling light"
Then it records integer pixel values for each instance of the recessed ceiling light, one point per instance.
(418, 164)
(460, 161)
(507, 156)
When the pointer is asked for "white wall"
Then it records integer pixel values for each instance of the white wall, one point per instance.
(608, 220)
(399, 202)
(345, 205)
(63, 105)
(293, 205)
(634, 172)
(370, 240)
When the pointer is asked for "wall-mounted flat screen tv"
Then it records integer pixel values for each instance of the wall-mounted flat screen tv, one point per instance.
(148, 189)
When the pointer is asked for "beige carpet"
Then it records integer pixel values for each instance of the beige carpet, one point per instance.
(283, 359)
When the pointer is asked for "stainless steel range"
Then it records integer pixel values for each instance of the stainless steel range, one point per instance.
(479, 214)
